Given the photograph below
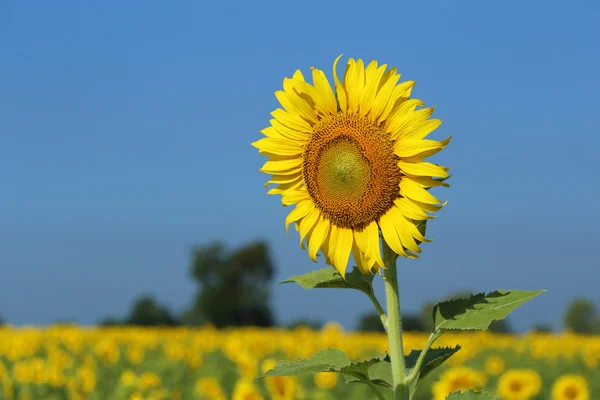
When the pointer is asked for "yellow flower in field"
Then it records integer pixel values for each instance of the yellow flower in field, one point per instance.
(87, 379)
(246, 364)
(494, 365)
(128, 378)
(135, 354)
(22, 373)
(519, 384)
(279, 387)
(209, 388)
(148, 380)
(244, 389)
(353, 163)
(570, 387)
(8, 390)
(108, 351)
(326, 380)
(457, 378)
(136, 396)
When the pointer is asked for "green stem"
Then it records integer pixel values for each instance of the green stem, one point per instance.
(415, 372)
(372, 386)
(379, 309)
(394, 324)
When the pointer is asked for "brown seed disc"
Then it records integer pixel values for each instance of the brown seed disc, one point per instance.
(350, 170)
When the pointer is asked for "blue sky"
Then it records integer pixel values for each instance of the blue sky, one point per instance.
(125, 132)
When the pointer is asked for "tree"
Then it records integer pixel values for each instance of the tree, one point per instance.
(370, 322)
(234, 287)
(146, 311)
(582, 317)
(310, 323)
(500, 326)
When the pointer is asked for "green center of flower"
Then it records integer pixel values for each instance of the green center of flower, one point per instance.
(345, 172)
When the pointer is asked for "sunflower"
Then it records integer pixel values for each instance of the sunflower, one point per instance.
(352, 163)
(244, 389)
(457, 379)
(279, 387)
(494, 365)
(519, 384)
(570, 387)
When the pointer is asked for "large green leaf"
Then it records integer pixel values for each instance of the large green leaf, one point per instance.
(433, 359)
(330, 360)
(478, 311)
(378, 370)
(330, 278)
(471, 395)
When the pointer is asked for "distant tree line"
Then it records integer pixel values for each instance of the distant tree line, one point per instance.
(234, 289)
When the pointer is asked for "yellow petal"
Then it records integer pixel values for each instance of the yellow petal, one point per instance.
(427, 182)
(291, 120)
(417, 147)
(281, 189)
(381, 99)
(372, 78)
(390, 235)
(301, 210)
(300, 105)
(404, 115)
(324, 89)
(421, 129)
(289, 133)
(342, 98)
(307, 224)
(410, 209)
(294, 196)
(361, 260)
(423, 169)
(403, 230)
(354, 82)
(399, 96)
(278, 146)
(317, 238)
(372, 231)
(413, 190)
(340, 245)
(429, 207)
(279, 179)
(280, 165)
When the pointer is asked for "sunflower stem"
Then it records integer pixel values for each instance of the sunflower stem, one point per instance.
(394, 324)
(379, 309)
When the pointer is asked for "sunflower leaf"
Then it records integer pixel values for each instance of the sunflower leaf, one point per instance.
(330, 360)
(478, 311)
(471, 395)
(433, 359)
(378, 370)
(330, 278)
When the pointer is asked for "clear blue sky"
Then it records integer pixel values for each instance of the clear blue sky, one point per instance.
(125, 132)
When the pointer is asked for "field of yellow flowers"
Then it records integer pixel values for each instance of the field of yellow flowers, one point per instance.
(69, 362)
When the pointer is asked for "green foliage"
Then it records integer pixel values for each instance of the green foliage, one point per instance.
(370, 322)
(329, 278)
(146, 311)
(433, 359)
(471, 395)
(330, 360)
(234, 287)
(478, 311)
(582, 317)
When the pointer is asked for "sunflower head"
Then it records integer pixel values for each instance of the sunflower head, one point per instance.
(351, 160)
(519, 384)
(570, 387)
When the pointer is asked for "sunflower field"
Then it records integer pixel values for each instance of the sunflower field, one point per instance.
(70, 362)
